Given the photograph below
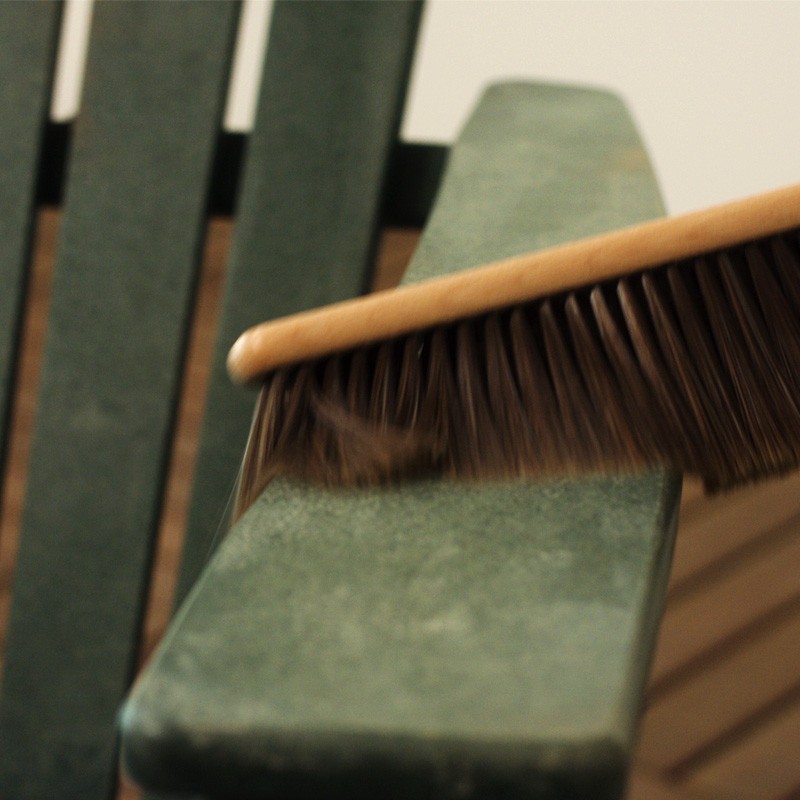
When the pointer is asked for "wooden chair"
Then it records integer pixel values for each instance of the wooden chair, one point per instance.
(498, 638)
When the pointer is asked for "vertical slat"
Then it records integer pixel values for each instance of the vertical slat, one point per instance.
(27, 53)
(132, 228)
(329, 109)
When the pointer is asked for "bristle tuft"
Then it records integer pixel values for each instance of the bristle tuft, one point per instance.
(693, 366)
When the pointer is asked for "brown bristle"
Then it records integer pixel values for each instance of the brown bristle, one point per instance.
(693, 366)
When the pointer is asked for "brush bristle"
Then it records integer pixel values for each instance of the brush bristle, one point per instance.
(692, 366)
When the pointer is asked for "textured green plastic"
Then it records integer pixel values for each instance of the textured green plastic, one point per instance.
(27, 52)
(307, 218)
(538, 166)
(434, 639)
(128, 252)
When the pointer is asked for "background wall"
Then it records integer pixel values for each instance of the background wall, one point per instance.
(712, 85)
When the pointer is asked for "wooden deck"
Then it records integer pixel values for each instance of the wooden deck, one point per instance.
(722, 720)
(723, 707)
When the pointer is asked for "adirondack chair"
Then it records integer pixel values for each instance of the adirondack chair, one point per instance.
(416, 640)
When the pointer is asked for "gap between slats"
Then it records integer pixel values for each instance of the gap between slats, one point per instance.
(185, 437)
(395, 251)
(23, 409)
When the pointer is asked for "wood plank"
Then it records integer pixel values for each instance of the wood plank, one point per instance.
(692, 494)
(27, 53)
(132, 225)
(167, 556)
(647, 786)
(710, 703)
(763, 765)
(309, 213)
(728, 601)
(395, 250)
(710, 531)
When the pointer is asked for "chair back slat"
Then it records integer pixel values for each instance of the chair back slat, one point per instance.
(131, 232)
(27, 52)
(330, 103)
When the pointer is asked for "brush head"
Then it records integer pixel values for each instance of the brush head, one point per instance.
(377, 317)
(692, 365)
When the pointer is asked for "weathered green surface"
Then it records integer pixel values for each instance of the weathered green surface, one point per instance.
(538, 166)
(130, 237)
(307, 220)
(434, 640)
(446, 635)
(27, 52)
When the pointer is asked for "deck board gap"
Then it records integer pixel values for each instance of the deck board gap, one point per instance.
(24, 401)
(727, 739)
(186, 435)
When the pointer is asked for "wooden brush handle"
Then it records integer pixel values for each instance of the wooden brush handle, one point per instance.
(396, 312)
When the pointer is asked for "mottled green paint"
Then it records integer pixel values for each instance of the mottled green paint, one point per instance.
(435, 639)
(129, 246)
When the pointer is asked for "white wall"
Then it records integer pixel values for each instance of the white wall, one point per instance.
(713, 85)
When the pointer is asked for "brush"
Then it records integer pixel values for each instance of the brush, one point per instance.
(673, 343)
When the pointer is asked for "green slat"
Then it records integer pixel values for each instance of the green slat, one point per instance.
(130, 240)
(27, 52)
(329, 109)
(434, 639)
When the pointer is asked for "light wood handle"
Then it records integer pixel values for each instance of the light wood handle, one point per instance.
(400, 311)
